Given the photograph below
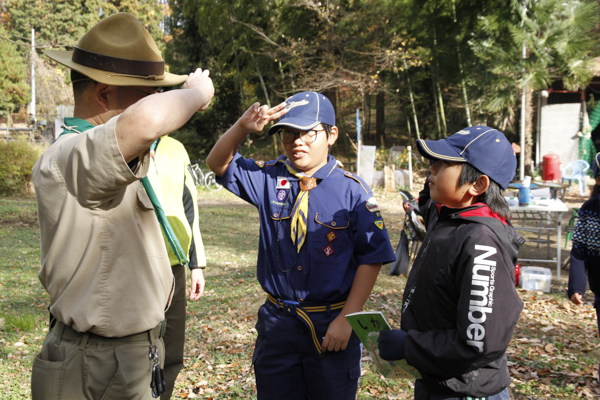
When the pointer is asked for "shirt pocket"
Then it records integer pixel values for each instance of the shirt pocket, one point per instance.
(278, 212)
(337, 221)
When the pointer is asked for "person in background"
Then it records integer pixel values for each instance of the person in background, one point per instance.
(460, 306)
(103, 258)
(585, 253)
(176, 191)
(322, 243)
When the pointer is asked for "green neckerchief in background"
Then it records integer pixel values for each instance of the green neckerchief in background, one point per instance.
(78, 125)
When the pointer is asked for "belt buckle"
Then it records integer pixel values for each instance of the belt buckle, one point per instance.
(290, 306)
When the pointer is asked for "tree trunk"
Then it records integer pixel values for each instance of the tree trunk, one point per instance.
(380, 118)
(412, 100)
(529, 124)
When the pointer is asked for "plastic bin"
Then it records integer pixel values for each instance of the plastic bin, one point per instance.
(535, 278)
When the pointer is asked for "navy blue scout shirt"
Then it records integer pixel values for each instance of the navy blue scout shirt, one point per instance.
(345, 229)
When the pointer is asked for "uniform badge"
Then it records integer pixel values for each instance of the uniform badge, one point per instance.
(372, 205)
(260, 163)
(331, 236)
(282, 195)
(379, 224)
(328, 250)
(283, 183)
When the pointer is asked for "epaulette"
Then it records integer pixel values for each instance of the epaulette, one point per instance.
(352, 176)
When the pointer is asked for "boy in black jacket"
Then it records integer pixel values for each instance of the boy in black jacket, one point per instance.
(460, 306)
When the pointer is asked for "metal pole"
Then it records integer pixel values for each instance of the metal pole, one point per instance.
(358, 129)
(32, 108)
(522, 154)
(410, 175)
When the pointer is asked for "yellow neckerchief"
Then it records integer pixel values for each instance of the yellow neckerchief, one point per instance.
(300, 210)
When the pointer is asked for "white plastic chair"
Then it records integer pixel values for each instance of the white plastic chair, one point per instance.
(575, 170)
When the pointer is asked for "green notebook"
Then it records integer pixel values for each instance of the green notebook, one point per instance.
(367, 325)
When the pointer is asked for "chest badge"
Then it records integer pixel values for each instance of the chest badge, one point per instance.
(328, 251)
(331, 236)
(379, 224)
(282, 195)
(283, 183)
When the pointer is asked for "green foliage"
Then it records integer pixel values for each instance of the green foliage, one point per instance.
(22, 322)
(17, 158)
(14, 92)
(63, 22)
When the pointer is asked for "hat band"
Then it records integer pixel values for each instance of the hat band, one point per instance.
(118, 65)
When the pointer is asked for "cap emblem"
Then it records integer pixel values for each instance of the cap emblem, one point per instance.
(296, 104)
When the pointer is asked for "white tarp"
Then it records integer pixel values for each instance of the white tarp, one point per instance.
(560, 125)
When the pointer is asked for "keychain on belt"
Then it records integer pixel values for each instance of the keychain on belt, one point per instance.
(158, 379)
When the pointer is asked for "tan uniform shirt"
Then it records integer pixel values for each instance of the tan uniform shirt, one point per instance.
(104, 262)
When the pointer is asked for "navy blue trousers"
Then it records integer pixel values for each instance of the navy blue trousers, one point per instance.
(287, 365)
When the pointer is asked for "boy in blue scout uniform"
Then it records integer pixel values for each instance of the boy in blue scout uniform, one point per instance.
(322, 243)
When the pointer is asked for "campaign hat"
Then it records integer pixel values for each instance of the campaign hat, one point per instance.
(485, 148)
(118, 51)
(306, 110)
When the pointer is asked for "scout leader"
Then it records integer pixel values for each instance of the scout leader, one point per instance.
(104, 261)
(322, 243)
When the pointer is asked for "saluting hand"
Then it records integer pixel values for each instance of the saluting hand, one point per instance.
(257, 117)
(200, 79)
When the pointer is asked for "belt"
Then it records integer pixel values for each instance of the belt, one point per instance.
(295, 307)
(69, 333)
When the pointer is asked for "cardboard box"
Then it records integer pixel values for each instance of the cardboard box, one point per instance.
(535, 278)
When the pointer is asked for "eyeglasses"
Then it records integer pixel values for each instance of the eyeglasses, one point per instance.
(307, 137)
(156, 90)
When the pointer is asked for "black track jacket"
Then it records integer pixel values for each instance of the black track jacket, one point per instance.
(460, 305)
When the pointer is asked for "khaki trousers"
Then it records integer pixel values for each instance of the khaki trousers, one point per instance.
(175, 334)
(73, 365)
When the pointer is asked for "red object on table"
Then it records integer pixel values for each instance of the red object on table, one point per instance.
(517, 271)
(551, 167)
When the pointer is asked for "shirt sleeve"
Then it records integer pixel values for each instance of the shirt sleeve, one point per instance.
(197, 257)
(577, 275)
(92, 166)
(487, 311)
(245, 178)
(371, 241)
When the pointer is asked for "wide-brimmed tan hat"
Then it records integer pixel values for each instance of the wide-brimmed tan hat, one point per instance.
(118, 51)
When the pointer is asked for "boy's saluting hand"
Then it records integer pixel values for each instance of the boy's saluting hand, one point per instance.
(257, 117)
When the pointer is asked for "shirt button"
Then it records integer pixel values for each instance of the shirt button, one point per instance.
(299, 267)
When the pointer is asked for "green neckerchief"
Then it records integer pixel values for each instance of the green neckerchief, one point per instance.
(75, 125)
(78, 125)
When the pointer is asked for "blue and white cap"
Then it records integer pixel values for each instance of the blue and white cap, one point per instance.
(305, 111)
(485, 148)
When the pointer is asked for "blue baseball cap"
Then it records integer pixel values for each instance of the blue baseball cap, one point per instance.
(305, 111)
(485, 148)
(596, 165)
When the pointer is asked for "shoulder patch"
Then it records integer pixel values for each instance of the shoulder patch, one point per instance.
(372, 205)
(260, 163)
(379, 224)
